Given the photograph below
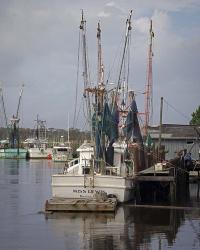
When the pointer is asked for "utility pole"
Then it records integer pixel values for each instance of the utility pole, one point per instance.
(160, 127)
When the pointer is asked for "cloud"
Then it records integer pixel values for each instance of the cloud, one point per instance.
(103, 14)
(112, 9)
(142, 25)
(39, 46)
(111, 4)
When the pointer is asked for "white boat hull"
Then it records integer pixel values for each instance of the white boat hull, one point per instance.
(39, 153)
(60, 158)
(80, 186)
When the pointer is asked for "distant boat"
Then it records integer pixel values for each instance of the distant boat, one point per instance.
(3, 144)
(37, 149)
(11, 153)
(37, 145)
(14, 153)
(13, 149)
(62, 152)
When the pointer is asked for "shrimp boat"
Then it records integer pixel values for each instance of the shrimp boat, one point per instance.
(12, 148)
(37, 145)
(108, 163)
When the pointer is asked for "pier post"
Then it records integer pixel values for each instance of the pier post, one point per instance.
(137, 192)
(172, 192)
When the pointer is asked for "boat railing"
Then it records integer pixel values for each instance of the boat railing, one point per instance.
(73, 162)
(110, 170)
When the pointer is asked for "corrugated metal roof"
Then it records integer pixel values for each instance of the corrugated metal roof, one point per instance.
(175, 131)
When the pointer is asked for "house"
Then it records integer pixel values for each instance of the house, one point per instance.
(176, 137)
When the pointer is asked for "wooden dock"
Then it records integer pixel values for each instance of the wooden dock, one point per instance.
(80, 205)
(160, 184)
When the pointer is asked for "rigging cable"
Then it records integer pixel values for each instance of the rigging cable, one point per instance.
(114, 60)
(82, 102)
(77, 79)
(179, 112)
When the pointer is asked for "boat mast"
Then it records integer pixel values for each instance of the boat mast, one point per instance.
(149, 84)
(122, 85)
(37, 127)
(100, 67)
(15, 124)
(100, 72)
(85, 63)
(19, 102)
(4, 110)
(98, 92)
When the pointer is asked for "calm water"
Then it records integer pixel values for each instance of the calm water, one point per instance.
(24, 187)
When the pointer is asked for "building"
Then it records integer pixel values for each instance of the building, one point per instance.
(177, 137)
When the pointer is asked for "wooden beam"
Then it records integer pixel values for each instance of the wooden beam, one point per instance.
(154, 178)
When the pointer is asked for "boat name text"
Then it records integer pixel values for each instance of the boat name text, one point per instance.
(90, 191)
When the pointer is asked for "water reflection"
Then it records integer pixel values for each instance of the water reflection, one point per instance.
(24, 187)
(130, 228)
(12, 170)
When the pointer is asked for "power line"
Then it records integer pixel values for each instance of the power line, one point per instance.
(175, 109)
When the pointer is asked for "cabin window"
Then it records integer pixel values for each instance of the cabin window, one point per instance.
(86, 170)
(190, 142)
(62, 149)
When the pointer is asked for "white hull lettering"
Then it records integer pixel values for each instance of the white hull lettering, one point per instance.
(89, 191)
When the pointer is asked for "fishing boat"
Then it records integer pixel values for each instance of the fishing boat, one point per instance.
(62, 152)
(108, 163)
(13, 150)
(3, 144)
(37, 145)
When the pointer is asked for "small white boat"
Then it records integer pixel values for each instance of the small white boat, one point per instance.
(38, 149)
(37, 145)
(62, 153)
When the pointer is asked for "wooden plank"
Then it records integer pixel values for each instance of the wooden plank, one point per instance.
(154, 178)
(64, 204)
(152, 170)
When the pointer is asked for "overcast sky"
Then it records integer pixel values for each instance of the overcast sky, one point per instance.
(39, 46)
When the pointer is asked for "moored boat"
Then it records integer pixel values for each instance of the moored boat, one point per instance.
(14, 153)
(37, 145)
(109, 162)
(13, 148)
(62, 153)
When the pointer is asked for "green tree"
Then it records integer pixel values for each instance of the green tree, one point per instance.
(195, 117)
